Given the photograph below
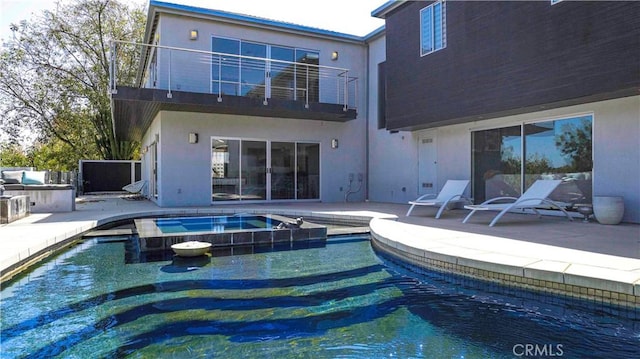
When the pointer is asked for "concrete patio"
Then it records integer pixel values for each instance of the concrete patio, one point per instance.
(599, 256)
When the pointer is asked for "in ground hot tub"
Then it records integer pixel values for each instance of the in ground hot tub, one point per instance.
(162, 233)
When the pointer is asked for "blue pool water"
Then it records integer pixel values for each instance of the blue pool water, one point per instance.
(214, 224)
(334, 300)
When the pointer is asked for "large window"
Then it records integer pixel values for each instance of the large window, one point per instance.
(307, 75)
(225, 69)
(433, 28)
(243, 68)
(554, 149)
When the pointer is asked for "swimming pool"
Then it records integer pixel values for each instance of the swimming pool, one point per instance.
(336, 300)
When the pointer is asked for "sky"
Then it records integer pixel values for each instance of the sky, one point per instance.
(346, 16)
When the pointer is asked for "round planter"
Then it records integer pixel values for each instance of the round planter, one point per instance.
(191, 248)
(608, 209)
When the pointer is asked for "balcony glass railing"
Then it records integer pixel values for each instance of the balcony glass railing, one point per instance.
(223, 74)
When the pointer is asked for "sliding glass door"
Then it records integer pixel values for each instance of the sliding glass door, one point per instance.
(308, 170)
(258, 170)
(283, 170)
(508, 160)
(225, 169)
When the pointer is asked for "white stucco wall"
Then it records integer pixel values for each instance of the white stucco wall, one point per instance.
(192, 71)
(184, 169)
(616, 152)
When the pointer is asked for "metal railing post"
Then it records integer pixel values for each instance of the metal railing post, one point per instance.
(346, 88)
(169, 94)
(306, 105)
(219, 78)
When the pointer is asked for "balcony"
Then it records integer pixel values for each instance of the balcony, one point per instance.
(178, 79)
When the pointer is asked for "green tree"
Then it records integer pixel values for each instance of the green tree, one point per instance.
(11, 155)
(54, 75)
(575, 142)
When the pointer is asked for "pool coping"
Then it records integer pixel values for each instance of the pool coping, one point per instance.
(561, 271)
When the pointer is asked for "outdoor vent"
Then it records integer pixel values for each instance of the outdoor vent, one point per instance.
(427, 140)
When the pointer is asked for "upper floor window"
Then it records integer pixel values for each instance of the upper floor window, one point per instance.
(433, 28)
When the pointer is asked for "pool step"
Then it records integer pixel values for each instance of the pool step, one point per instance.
(337, 231)
(120, 232)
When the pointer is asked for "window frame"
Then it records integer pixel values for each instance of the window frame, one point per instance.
(443, 27)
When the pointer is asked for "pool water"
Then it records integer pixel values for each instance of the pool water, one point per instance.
(214, 224)
(337, 300)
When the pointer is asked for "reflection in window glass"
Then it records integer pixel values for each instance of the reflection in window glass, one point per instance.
(561, 149)
(254, 170)
(307, 75)
(253, 71)
(308, 174)
(282, 73)
(432, 28)
(225, 169)
(283, 159)
(225, 70)
(496, 163)
(558, 149)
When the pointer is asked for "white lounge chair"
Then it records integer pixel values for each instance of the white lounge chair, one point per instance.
(451, 192)
(536, 197)
(135, 189)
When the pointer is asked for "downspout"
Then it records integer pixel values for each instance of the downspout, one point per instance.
(366, 134)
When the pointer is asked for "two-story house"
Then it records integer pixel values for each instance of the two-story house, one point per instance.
(234, 108)
(229, 107)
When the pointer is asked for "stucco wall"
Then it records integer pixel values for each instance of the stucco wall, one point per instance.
(192, 71)
(184, 169)
(616, 152)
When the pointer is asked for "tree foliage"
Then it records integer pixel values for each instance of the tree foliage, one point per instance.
(575, 142)
(54, 76)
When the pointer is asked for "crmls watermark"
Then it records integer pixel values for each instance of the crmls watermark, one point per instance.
(538, 350)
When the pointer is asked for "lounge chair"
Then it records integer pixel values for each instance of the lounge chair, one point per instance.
(451, 192)
(535, 198)
(135, 189)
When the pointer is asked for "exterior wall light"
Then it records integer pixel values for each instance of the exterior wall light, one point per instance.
(193, 35)
(193, 138)
(334, 56)
(334, 143)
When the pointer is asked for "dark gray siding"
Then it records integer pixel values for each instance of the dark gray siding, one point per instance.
(512, 57)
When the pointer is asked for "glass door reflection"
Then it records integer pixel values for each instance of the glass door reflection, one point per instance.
(225, 169)
(253, 185)
(283, 158)
(308, 174)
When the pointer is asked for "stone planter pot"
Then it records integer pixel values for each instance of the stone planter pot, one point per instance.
(608, 209)
(191, 248)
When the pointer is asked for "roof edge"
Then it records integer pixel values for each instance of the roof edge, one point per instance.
(258, 21)
(382, 11)
(375, 33)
